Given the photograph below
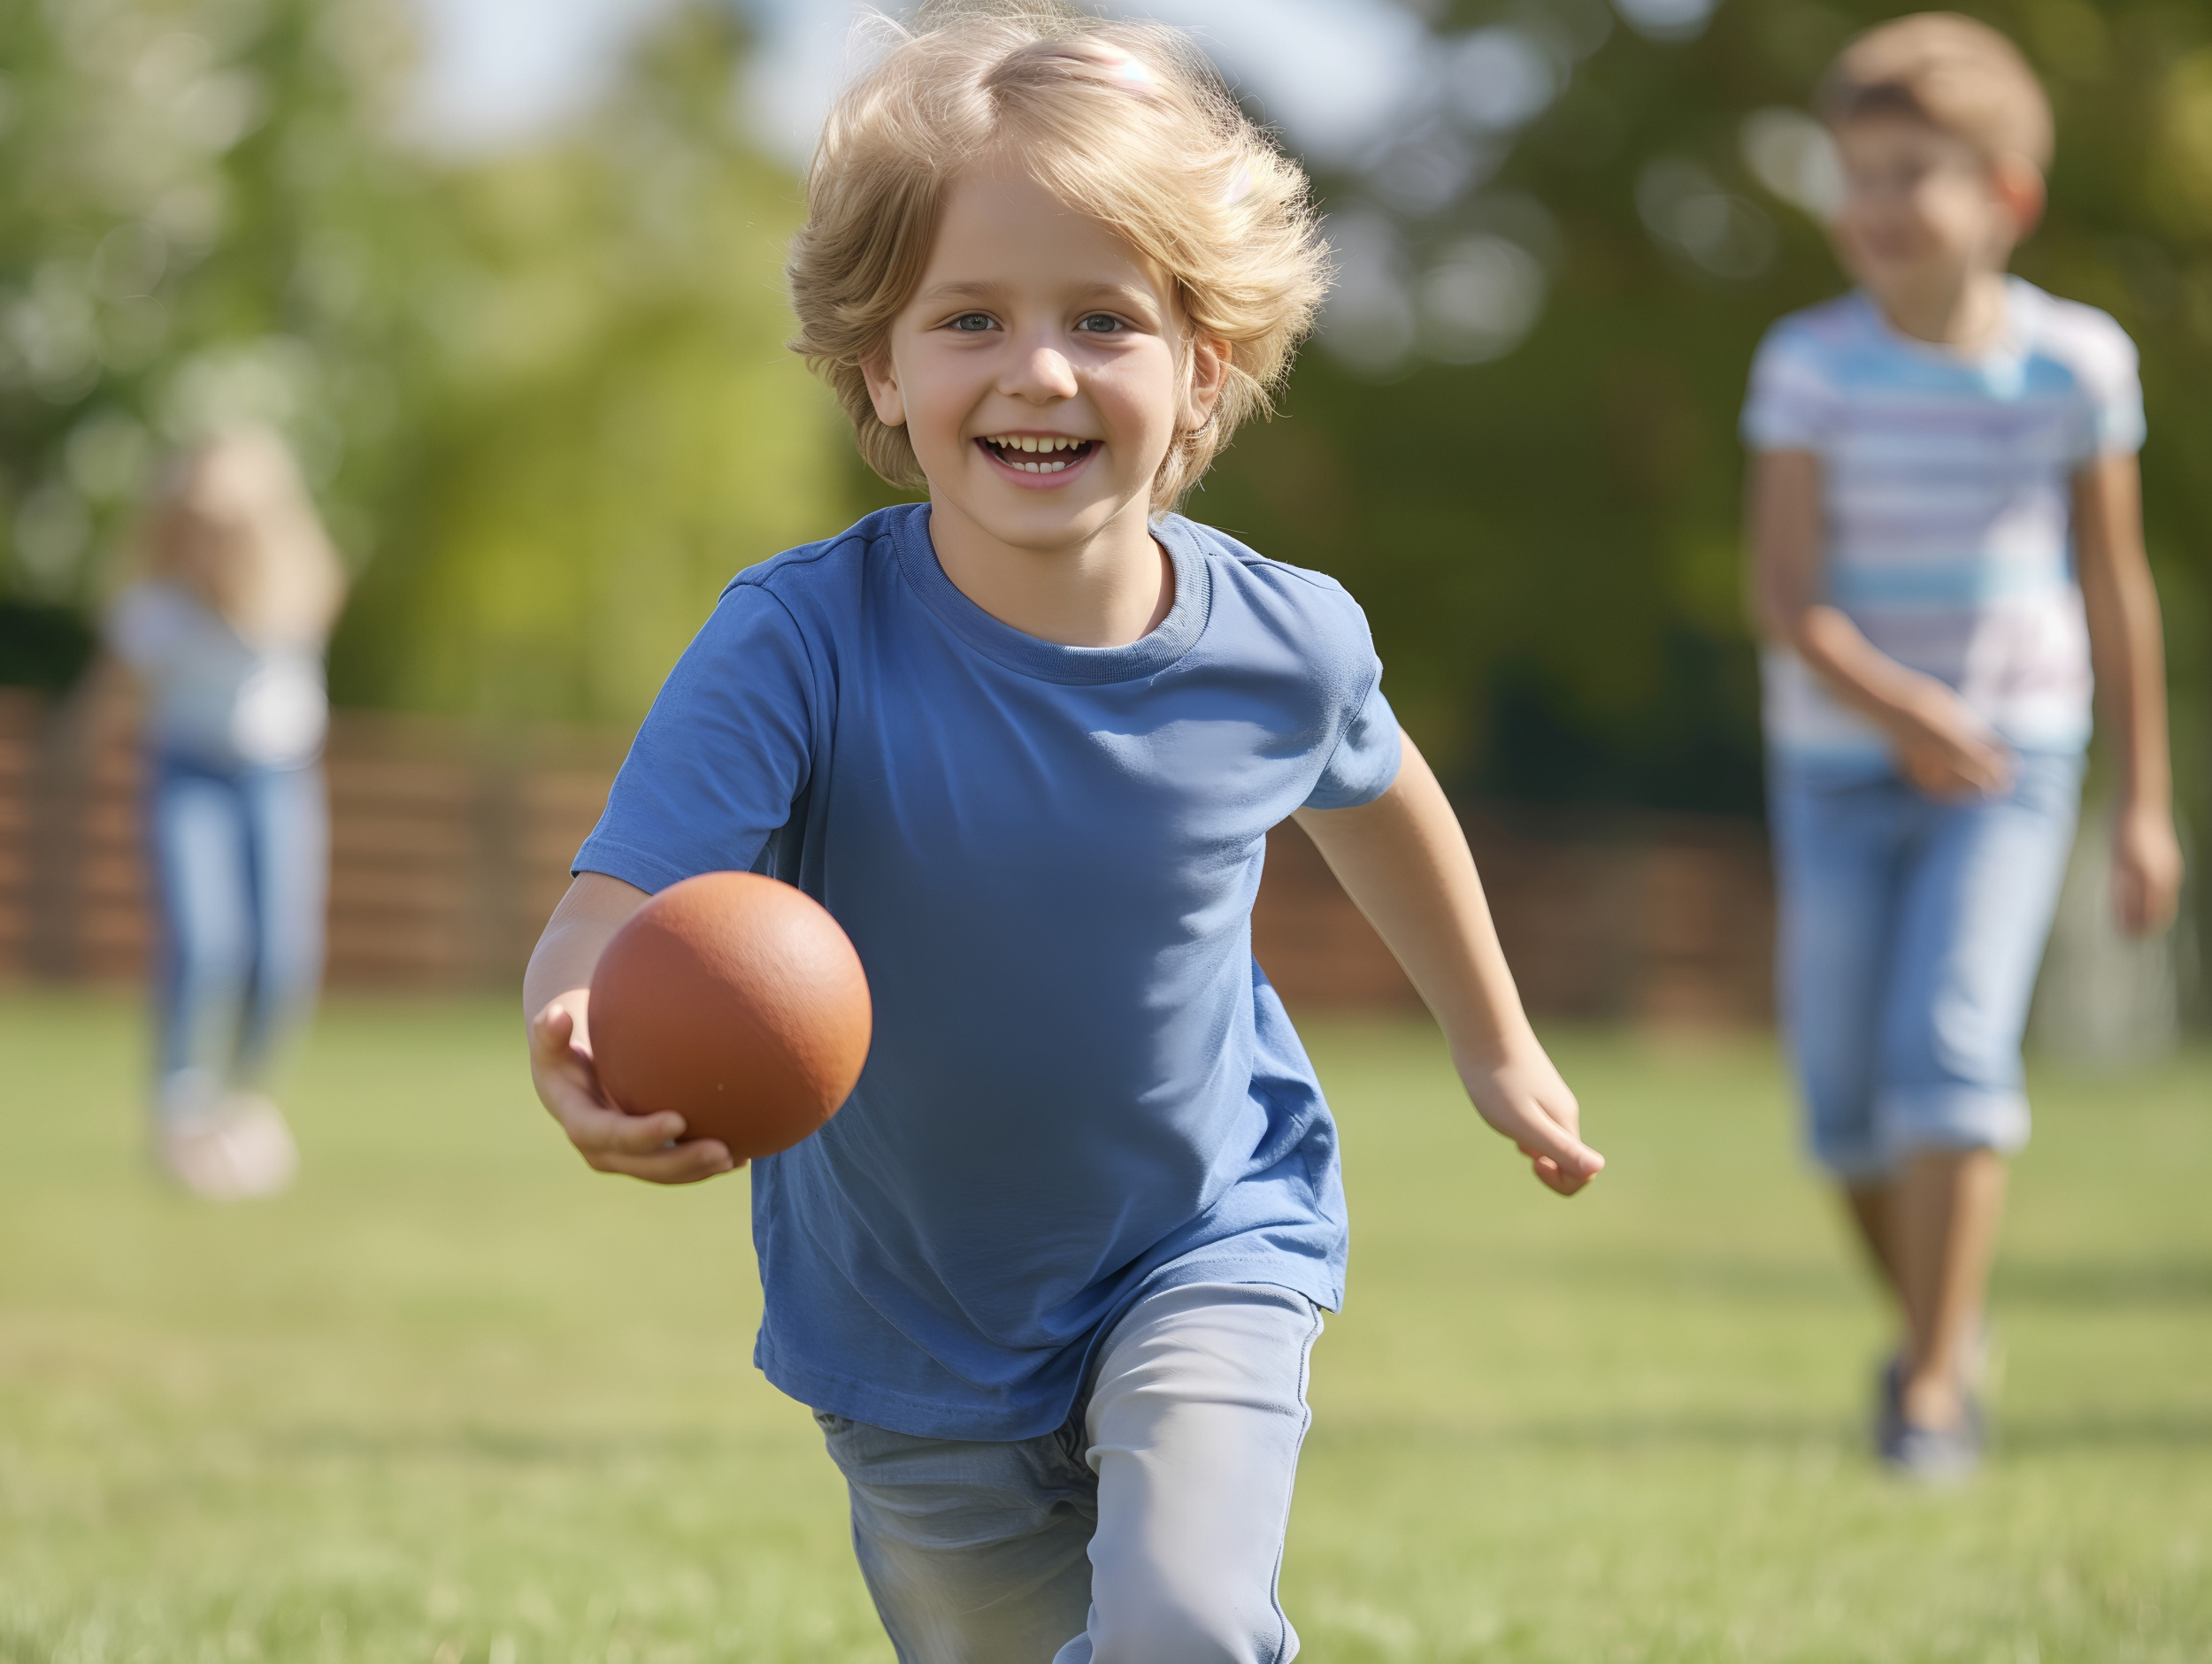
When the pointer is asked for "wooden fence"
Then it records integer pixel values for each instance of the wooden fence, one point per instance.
(451, 845)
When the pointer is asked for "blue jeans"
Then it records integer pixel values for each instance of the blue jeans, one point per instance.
(1149, 1529)
(240, 862)
(1911, 928)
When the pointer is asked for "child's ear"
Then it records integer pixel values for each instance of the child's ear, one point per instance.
(1209, 374)
(882, 377)
(2020, 188)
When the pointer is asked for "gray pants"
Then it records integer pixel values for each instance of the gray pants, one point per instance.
(1147, 1530)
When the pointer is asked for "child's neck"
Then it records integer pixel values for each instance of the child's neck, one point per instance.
(1107, 589)
(1965, 311)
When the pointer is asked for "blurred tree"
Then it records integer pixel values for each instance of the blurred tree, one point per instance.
(1547, 537)
(614, 426)
(542, 397)
(195, 228)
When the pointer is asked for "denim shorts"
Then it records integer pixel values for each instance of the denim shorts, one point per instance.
(1911, 930)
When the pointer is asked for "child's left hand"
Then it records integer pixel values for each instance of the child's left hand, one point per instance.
(1522, 1096)
(2146, 869)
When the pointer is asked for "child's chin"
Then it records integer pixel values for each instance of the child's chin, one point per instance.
(1901, 269)
(1029, 517)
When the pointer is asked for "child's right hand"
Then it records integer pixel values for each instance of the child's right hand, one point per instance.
(1521, 1095)
(1946, 749)
(651, 1147)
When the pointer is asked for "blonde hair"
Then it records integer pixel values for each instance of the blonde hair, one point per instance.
(1951, 71)
(1122, 122)
(233, 523)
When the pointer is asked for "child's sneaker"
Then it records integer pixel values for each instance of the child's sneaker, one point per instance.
(1937, 1455)
(240, 1150)
(1983, 1370)
(1889, 1405)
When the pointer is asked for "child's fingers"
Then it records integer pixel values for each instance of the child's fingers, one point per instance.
(1990, 766)
(1548, 1173)
(567, 1079)
(550, 1031)
(1540, 1136)
(642, 1146)
(685, 1163)
(554, 1051)
(611, 1131)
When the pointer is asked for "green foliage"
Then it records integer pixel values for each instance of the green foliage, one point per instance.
(542, 397)
(458, 1398)
(1556, 532)
(193, 230)
(617, 427)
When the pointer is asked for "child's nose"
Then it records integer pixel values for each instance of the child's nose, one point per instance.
(1041, 374)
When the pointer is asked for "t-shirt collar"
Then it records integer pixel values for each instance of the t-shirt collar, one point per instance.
(2003, 353)
(1049, 661)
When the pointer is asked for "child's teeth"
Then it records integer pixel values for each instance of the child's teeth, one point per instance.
(1032, 444)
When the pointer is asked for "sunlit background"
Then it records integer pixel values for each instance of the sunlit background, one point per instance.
(507, 273)
(506, 270)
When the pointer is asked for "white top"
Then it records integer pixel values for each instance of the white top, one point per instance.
(217, 698)
(1946, 503)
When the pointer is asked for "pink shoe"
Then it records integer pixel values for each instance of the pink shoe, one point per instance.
(239, 1150)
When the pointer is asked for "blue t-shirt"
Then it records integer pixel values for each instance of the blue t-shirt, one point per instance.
(1080, 1086)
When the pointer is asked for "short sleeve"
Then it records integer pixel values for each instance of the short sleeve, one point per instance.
(2108, 372)
(722, 755)
(1365, 762)
(1792, 403)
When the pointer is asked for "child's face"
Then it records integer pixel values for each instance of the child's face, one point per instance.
(1922, 208)
(1034, 323)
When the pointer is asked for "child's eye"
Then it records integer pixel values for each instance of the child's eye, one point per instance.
(1099, 324)
(972, 323)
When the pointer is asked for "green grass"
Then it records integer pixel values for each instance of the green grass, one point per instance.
(456, 1398)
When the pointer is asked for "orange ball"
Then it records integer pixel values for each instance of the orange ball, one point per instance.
(736, 1002)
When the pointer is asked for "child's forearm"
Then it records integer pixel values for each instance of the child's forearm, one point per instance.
(1863, 677)
(1404, 862)
(2126, 642)
(594, 908)
(1784, 520)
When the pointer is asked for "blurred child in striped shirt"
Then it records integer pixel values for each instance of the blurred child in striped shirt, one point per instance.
(1946, 532)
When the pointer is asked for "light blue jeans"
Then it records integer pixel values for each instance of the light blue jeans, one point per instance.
(240, 862)
(1911, 930)
(1147, 1529)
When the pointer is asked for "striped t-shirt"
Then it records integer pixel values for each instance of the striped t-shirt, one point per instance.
(1946, 499)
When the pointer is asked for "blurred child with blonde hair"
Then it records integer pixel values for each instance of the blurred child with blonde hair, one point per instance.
(226, 628)
(1049, 1280)
(1946, 534)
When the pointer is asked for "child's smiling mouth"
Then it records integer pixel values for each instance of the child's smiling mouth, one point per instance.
(1037, 453)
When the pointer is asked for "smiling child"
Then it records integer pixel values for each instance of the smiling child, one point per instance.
(1050, 1278)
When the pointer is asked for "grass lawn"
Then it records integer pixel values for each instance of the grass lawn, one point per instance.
(456, 1398)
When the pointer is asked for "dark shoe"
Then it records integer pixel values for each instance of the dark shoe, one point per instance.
(1889, 1412)
(1937, 1455)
